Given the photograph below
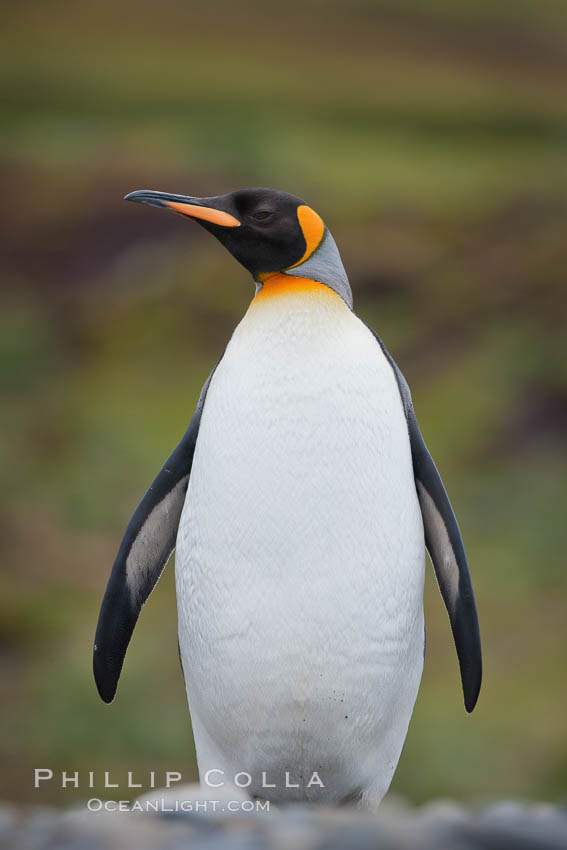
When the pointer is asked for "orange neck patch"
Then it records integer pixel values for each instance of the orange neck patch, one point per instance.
(312, 228)
(276, 284)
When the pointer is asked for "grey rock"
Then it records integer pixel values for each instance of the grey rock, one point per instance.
(441, 825)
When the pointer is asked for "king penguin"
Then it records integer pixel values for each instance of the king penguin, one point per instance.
(300, 500)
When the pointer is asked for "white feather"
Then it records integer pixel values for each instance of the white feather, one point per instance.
(300, 558)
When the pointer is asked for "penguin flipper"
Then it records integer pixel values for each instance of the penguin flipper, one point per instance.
(445, 546)
(145, 549)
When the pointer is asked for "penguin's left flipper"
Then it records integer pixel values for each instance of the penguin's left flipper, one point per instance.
(445, 546)
(146, 546)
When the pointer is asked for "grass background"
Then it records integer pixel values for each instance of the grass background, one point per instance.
(434, 143)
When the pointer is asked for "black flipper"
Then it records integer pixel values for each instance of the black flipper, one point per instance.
(445, 547)
(146, 546)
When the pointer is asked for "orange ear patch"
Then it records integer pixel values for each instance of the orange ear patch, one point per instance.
(313, 228)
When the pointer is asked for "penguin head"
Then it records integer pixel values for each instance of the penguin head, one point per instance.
(266, 230)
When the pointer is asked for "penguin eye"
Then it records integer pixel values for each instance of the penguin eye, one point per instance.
(261, 215)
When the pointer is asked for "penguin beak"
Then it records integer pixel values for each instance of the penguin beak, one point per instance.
(203, 209)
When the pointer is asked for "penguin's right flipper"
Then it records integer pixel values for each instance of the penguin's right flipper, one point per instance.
(445, 547)
(146, 546)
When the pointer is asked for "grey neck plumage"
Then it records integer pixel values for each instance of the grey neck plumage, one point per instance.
(325, 266)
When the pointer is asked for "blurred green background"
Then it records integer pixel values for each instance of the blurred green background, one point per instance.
(434, 144)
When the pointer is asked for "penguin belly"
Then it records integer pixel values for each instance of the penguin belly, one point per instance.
(300, 560)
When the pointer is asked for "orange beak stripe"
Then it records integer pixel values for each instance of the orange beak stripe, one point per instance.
(205, 213)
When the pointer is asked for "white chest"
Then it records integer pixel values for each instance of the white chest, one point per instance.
(300, 550)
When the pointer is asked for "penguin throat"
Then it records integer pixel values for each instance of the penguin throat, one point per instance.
(279, 284)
